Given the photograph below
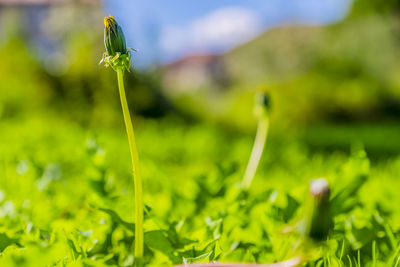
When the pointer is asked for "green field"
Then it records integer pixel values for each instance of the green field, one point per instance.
(67, 197)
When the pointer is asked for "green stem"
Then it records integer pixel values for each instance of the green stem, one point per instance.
(258, 147)
(135, 169)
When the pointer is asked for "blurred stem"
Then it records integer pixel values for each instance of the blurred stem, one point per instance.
(258, 147)
(135, 169)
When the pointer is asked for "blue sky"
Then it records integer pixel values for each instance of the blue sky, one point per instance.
(164, 30)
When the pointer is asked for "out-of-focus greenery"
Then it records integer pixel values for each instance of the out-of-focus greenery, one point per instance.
(66, 194)
(69, 81)
(66, 197)
(346, 72)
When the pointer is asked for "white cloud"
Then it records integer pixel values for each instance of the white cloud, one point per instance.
(217, 31)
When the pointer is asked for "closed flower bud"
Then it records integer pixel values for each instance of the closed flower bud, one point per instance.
(114, 39)
(262, 104)
(319, 221)
(117, 54)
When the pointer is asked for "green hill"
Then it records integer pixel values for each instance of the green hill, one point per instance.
(348, 71)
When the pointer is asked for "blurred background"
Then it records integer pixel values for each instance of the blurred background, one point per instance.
(331, 66)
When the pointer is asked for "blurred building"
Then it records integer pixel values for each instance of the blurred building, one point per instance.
(195, 72)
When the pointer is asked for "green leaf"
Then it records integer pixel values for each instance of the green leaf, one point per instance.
(117, 219)
(158, 240)
(5, 241)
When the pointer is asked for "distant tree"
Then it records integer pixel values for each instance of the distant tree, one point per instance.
(363, 7)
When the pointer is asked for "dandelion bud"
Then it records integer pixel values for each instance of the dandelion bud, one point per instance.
(117, 54)
(262, 104)
(319, 221)
(114, 39)
(319, 189)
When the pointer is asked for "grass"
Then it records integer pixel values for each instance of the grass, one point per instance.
(68, 201)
